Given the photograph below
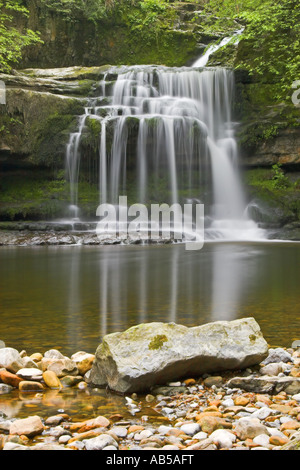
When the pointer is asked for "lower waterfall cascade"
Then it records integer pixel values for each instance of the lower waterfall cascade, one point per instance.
(166, 132)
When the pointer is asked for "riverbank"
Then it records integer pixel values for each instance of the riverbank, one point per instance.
(253, 409)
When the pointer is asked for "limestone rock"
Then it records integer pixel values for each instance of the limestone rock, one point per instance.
(266, 384)
(156, 353)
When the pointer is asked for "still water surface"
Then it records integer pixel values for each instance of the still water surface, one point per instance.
(69, 297)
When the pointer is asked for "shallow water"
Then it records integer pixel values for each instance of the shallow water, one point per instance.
(69, 297)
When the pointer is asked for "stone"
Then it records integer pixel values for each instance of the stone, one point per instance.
(266, 384)
(223, 438)
(241, 401)
(36, 357)
(61, 367)
(10, 379)
(262, 413)
(262, 440)
(277, 355)
(5, 388)
(70, 380)
(120, 431)
(99, 422)
(29, 373)
(156, 353)
(51, 379)
(249, 428)
(291, 424)
(53, 354)
(83, 361)
(30, 386)
(99, 442)
(29, 427)
(272, 369)
(14, 446)
(213, 380)
(190, 429)
(278, 441)
(54, 420)
(10, 359)
(209, 424)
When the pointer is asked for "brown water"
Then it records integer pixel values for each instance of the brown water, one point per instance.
(69, 297)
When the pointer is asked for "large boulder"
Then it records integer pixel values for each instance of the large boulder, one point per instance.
(155, 353)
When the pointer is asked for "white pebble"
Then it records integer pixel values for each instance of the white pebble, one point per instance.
(228, 402)
(223, 438)
(262, 413)
(190, 429)
(262, 440)
(200, 435)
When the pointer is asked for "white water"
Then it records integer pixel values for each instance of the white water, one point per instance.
(202, 61)
(174, 127)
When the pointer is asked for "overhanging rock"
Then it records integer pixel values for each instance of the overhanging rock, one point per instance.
(155, 353)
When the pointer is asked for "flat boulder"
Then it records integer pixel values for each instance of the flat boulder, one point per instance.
(156, 353)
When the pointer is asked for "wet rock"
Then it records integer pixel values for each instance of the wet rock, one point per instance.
(4, 388)
(51, 379)
(61, 367)
(9, 379)
(99, 442)
(83, 361)
(30, 386)
(30, 374)
(70, 380)
(30, 427)
(11, 360)
(156, 353)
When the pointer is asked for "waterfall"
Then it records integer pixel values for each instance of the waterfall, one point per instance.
(202, 61)
(167, 136)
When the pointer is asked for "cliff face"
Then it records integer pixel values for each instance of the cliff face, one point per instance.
(43, 105)
(72, 40)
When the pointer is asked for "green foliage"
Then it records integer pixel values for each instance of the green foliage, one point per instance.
(270, 41)
(279, 179)
(12, 41)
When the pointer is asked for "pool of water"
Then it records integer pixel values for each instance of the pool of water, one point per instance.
(69, 297)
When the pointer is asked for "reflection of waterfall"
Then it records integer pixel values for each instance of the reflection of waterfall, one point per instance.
(130, 285)
(227, 283)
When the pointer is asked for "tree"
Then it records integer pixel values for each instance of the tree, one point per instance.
(12, 41)
(270, 44)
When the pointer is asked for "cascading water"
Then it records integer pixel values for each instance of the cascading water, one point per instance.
(167, 137)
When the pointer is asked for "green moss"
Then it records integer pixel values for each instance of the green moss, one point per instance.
(157, 342)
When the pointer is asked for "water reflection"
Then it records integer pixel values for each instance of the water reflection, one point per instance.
(70, 297)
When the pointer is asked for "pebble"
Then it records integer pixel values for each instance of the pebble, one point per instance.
(198, 413)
